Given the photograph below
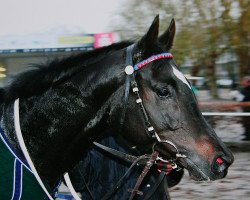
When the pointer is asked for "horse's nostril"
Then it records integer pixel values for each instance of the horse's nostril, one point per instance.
(219, 160)
(219, 165)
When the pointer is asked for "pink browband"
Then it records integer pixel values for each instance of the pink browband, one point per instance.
(151, 59)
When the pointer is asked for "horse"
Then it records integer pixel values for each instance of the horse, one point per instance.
(89, 171)
(52, 113)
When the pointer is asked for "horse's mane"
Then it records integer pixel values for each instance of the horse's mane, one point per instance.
(40, 77)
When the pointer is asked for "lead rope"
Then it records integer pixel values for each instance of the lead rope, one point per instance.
(118, 184)
(145, 171)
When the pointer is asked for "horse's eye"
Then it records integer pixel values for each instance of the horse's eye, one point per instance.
(164, 92)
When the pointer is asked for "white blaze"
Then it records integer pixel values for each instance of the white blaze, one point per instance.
(180, 76)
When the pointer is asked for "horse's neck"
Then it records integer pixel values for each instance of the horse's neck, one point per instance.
(54, 123)
(7, 125)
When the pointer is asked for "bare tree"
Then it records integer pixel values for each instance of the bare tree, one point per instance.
(205, 30)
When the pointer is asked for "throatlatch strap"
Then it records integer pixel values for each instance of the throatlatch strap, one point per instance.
(121, 155)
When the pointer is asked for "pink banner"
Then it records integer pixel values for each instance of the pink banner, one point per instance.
(103, 39)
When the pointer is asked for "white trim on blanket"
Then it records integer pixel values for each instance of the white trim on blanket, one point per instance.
(70, 186)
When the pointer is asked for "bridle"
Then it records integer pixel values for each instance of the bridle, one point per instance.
(130, 82)
(130, 71)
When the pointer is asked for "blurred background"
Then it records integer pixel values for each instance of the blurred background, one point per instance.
(212, 48)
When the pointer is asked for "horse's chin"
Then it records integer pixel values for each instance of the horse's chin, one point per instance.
(198, 177)
(195, 172)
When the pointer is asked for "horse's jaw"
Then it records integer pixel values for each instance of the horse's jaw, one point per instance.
(195, 172)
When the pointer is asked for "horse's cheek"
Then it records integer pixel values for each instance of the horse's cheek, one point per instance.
(174, 111)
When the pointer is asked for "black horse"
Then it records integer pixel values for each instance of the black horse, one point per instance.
(67, 104)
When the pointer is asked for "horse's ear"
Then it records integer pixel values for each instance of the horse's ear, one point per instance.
(151, 37)
(166, 40)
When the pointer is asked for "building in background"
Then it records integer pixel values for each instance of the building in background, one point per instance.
(18, 52)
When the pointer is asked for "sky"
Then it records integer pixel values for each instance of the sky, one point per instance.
(24, 17)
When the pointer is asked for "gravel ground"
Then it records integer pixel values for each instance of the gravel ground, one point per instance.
(236, 185)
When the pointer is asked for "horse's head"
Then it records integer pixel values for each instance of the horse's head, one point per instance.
(171, 108)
